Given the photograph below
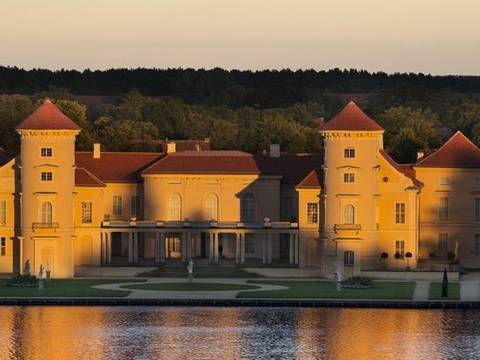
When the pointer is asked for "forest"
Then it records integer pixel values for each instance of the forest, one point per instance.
(124, 109)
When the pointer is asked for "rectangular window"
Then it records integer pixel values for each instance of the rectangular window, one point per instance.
(86, 212)
(312, 213)
(46, 176)
(117, 205)
(442, 243)
(477, 244)
(250, 243)
(443, 208)
(400, 248)
(46, 152)
(349, 153)
(3, 246)
(348, 258)
(477, 209)
(349, 177)
(135, 206)
(400, 213)
(3, 212)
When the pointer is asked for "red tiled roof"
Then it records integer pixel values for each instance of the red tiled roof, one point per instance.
(116, 166)
(84, 178)
(47, 117)
(311, 181)
(351, 118)
(405, 169)
(211, 162)
(457, 152)
(294, 167)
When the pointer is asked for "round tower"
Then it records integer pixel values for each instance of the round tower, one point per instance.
(350, 194)
(47, 162)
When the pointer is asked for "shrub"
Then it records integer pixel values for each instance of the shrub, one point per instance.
(23, 281)
(358, 282)
(384, 255)
(397, 255)
(408, 254)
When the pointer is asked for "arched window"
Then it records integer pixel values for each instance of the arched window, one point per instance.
(211, 207)
(175, 207)
(248, 208)
(47, 212)
(349, 214)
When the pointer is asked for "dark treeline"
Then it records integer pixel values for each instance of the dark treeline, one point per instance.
(125, 109)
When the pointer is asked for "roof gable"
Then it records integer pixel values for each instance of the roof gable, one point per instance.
(351, 118)
(311, 181)
(457, 152)
(47, 117)
(405, 169)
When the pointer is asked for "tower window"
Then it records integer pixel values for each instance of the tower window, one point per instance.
(349, 178)
(3, 246)
(400, 213)
(312, 213)
(46, 152)
(349, 153)
(47, 176)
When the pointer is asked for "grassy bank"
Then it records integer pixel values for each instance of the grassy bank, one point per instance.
(436, 291)
(327, 290)
(66, 288)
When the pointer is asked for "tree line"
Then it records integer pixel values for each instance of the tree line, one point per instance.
(241, 109)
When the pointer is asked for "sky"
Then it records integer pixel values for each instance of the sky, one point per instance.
(428, 36)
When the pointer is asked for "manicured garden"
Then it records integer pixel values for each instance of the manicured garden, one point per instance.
(327, 290)
(436, 291)
(194, 286)
(66, 288)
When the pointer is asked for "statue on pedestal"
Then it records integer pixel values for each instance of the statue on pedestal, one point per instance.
(190, 270)
(338, 276)
(26, 268)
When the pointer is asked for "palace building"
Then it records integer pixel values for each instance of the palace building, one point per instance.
(352, 205)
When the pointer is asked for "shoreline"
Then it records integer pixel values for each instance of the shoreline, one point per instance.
(313, 303)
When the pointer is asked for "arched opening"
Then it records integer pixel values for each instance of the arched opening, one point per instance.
(47, 217)
(349, 214)
(175, 207)
(248, 208)
(211, 207)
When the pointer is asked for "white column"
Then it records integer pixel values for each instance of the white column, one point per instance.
(109, 247)
(157, 248)
(103, 252)
(269, 248)
(184, 246)
(242, 248)
(215, 247)
(264, 248)
(161, 247)
(237, 248)
(296, 248)
(135, 247)
(291, 251)
(130, 248)
(165, 245)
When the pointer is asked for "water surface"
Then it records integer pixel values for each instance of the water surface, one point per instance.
(236, 333)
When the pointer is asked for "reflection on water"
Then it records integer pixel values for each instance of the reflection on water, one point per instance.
(234, 333)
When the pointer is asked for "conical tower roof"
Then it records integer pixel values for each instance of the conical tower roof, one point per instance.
(47, 117)
(351, 118)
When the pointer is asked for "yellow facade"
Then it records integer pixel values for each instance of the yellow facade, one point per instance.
(359, 205)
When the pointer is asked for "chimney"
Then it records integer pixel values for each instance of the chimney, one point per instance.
(171, 147)
(274, 150)
(420, 154)
(96, 151)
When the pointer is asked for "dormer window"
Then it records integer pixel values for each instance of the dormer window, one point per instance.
(46, 152)
(349, 153)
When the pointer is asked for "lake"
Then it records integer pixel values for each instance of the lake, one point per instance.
(55, 332)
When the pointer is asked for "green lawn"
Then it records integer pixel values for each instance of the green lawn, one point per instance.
(436, 291)
(66, 288)
(327, 290)
(194, 286)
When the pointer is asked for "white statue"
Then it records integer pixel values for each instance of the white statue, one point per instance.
(338, 275)
(190, 270)
(26, 268)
